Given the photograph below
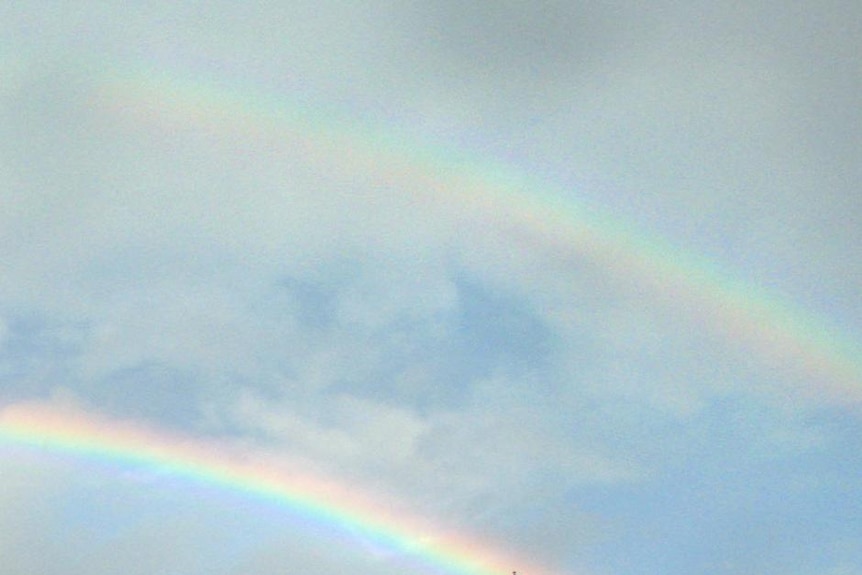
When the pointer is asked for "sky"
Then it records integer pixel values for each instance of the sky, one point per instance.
(430, 287)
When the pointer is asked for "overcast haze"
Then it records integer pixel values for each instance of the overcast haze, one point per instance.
(352, 234)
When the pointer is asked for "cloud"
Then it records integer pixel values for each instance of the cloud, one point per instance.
(382, 307)
(488, 452)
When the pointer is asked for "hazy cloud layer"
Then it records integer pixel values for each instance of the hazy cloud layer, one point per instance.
(304, 290)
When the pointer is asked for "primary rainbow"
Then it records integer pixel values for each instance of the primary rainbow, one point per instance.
(792, 344)
(340, 508)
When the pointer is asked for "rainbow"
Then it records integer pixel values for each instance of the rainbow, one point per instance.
(784, 336)
(798, 348)
(240, 470)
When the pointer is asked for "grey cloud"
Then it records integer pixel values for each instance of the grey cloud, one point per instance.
(507, 42)
(727, 127)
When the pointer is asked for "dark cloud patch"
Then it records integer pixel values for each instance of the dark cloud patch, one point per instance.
(509, 42)
(511, 65)
(36, 355)
(314, 302)
(495, 333)
(153, 392)
(434, 361)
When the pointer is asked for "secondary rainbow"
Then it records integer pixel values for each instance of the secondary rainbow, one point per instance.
(793, 343)
(242, 470)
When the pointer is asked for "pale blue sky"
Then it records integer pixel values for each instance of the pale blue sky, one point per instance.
(232, 284)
